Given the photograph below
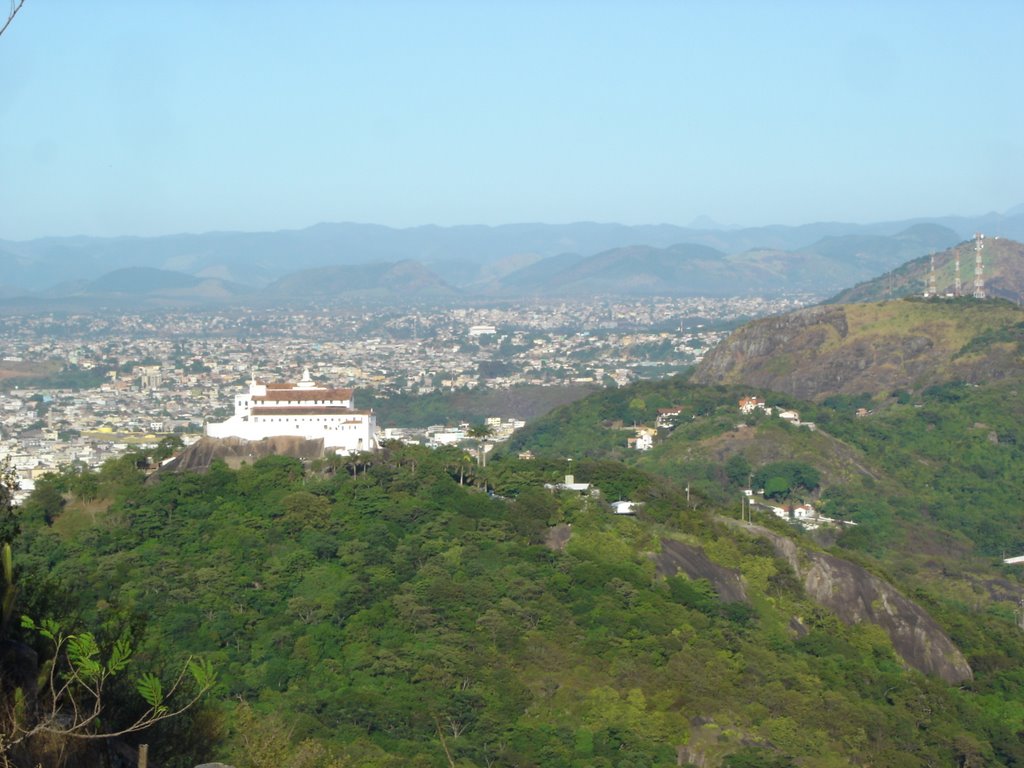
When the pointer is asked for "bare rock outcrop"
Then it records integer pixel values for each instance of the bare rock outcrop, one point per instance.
(855, 595)
(678, 556)
(234, 452)
(875, 348)
(557, 536)
(759, 343)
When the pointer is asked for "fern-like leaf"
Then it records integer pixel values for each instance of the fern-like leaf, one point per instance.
(151, 690)
(50, 629)
(119, 656)
(82, 651)
(202, 672)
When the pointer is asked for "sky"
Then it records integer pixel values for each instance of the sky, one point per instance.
(150, 118)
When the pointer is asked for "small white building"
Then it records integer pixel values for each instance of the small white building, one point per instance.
(300, 410)
(750, 404)
(570, 484)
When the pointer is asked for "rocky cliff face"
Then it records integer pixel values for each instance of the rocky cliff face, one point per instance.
(676, 556)
(234, 452)
(874, 348)
(775, 352)
(855, 595)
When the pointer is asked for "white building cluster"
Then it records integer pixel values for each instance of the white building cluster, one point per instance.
(302, 410)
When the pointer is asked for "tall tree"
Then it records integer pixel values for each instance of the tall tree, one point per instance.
(480, 433)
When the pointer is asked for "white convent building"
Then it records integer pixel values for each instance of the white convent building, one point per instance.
(300, 410)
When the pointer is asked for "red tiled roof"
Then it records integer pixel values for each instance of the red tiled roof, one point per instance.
(315, 410)
(274, 395)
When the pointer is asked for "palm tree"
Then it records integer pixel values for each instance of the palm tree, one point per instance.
(480, 433)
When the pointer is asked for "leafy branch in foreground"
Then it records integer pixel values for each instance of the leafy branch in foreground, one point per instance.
(71, 699)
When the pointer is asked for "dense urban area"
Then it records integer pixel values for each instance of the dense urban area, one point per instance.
(81, 388)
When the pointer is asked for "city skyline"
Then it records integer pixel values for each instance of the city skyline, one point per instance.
(146, 120)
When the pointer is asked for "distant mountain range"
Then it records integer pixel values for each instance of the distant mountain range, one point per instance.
(369, 261)
(693, 269)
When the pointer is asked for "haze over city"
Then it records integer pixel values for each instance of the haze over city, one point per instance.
(147, 119)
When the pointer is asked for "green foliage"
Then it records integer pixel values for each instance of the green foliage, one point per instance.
(69, 377)
(738, 470)
(10, 525)
(152, 690)
(848, 404)
(78, 697)
(1012, 334)
(780, 478)
(371, 608)
(775, 487)
(598, 426)
(167, 447)
(955, 460)
(525, 402)
(757, 757)
(47, 501)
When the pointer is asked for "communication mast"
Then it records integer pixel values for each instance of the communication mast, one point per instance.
(956, 280)
(930, 290)
(979, 266)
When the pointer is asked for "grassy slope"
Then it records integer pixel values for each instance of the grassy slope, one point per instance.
(1004, 274)
(885, 346)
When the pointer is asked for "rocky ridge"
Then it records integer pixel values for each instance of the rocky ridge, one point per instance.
(876, 348)
(855, 595)
(234, 452)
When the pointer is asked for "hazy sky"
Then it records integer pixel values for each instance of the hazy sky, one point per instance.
(179, 116)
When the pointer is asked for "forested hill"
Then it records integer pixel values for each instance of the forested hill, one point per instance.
(386, 611)
(872, 348)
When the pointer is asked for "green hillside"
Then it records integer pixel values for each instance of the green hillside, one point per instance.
(386, 611)
(527, 401)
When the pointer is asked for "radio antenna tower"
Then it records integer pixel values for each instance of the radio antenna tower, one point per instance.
(956, 279)
(930, 291)
(979, 267)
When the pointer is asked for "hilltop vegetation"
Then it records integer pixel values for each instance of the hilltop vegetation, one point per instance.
(873, 348)
(523, 402)
(412, 608)
(1004, 274)
(384, 611)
